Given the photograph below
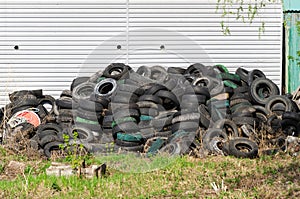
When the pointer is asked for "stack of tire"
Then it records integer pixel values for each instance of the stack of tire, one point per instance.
(63, 108)
(49, 137)
(291, 123)
(26, 108)
(154, 110)
(126, 116)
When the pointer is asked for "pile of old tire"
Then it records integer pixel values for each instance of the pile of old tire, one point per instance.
(175, 110)
(26, 111)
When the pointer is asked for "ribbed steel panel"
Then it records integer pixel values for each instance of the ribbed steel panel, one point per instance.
(61, 39)
(54, 40)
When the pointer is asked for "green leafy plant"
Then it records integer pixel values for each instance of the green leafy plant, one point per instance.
(245, 12)
(75, 153)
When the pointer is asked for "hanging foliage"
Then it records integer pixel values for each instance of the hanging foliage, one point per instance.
(242, 10)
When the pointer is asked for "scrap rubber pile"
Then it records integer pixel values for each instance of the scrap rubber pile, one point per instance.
(156, 110)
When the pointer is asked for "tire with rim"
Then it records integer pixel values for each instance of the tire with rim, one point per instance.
(105, 88)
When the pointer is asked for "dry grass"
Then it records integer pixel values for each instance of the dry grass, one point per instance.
(266, 177)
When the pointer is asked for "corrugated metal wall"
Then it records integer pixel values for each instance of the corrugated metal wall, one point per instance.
(61, 39)
(292, 33)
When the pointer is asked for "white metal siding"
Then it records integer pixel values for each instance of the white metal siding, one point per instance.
(61, 39)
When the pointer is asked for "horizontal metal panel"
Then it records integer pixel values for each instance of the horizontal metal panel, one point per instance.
(65, 43)
(61, 39)
(192, 24)
(113, 48)
(133, 19)
(86, 52)
(116, 29)
(135, 34)
(51, 16)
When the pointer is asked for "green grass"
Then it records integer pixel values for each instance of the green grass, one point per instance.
(161, 177)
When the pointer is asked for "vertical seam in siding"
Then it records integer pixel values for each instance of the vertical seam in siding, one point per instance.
(281, 55)
(127, 31)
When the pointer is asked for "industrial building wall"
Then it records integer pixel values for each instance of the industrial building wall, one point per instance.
(45, 44)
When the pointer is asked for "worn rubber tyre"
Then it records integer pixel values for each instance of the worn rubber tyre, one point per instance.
(116, 106)
(77, 81)
(149, 111)
(123, 120)
(90, 115)
(228, 126)
(229, 76)
(254, 74)
(151, 98)
(126, 127)
(19, 94)
(186, 126)
(64, 102)
(243, 148)
(169, 99)
(201, 91)
(124, 97)
(209, 136)
(42, 111)
(176, 70)
(46, 101)
(26, 100)
(44, 133)
(155, 88)
(290, 127)
(52, 146)
(243, 73)
(84, 134)
(66, 93)
(198, 69)
(116, 71)
(148, 104)
(195, 99)
(122, 143)
(159, 123)
(237, 101)
(242, 89)
(83, 91)
(273, 100)
(171, 149)
(268, 89)
(244, 120)
(49, 126)
(205, 118)
(105, 88)
(158, 73)
(49, 138)
(139, 148)
(144, 71)
(137, 90)
(88, 105)
(186, 117)
(221, 68)
(291, 115)
(203, 82)
(121, 113)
